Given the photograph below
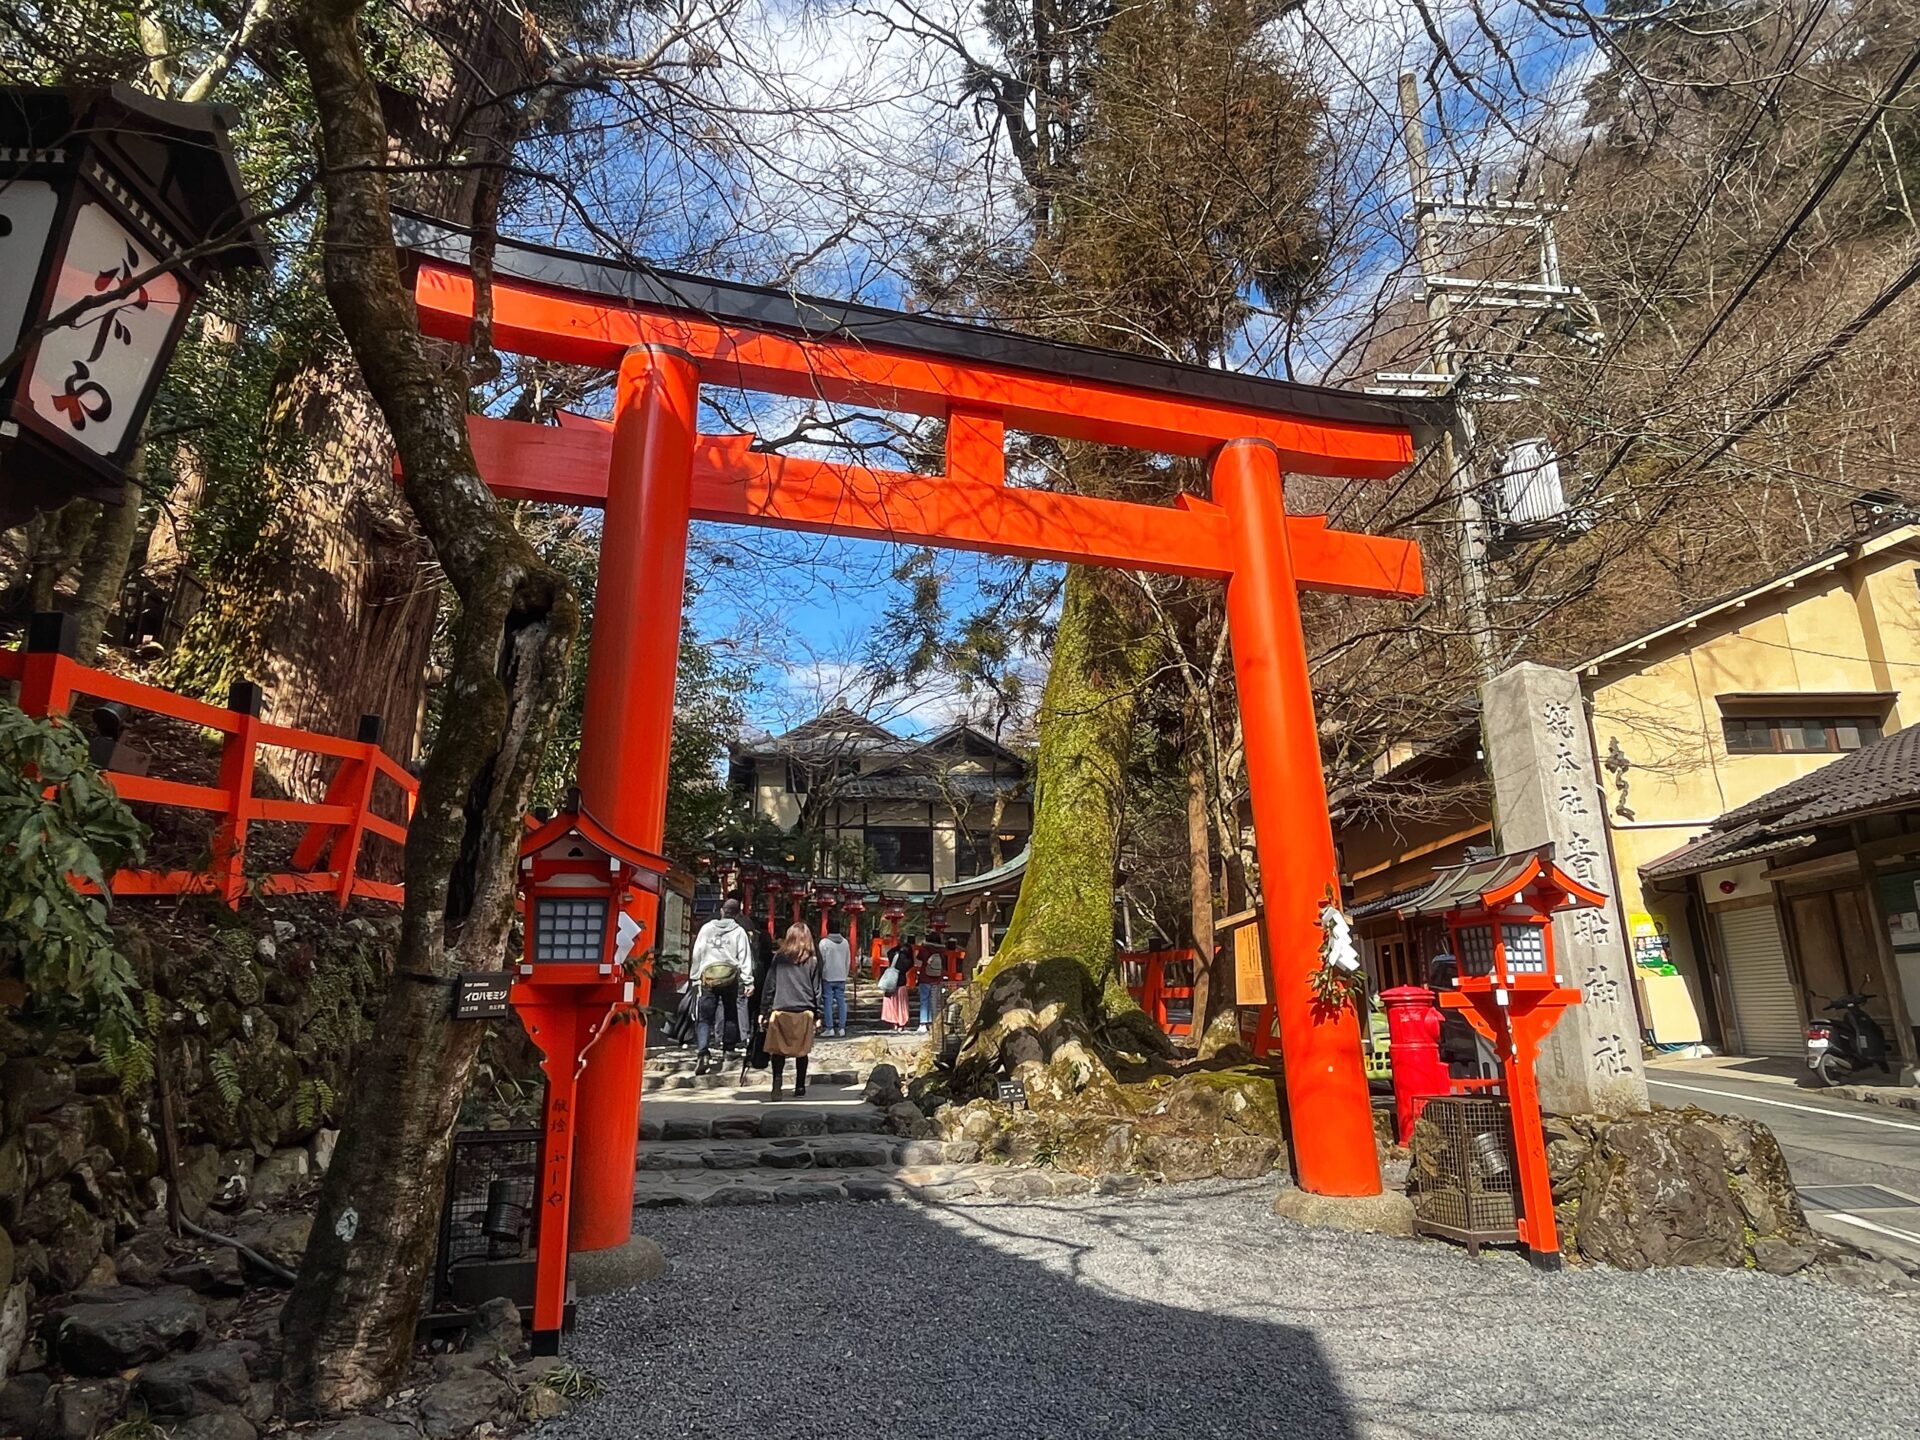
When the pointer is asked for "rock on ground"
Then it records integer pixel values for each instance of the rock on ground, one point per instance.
(457, 1406)
(1387, 1214)
(208, 1379)
(601, 1272)
(109, 1330)
(1190, 1311)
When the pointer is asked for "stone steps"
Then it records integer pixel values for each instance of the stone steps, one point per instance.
(926, 1184)
(845, 1151)
(729, 1079)
(760, 1122)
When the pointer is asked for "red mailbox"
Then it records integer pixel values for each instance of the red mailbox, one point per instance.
(1499, 916)
(588, 903)
(1413, 1031)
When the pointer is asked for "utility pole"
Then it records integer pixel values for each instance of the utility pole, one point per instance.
(1450, 370)
(1456, 445)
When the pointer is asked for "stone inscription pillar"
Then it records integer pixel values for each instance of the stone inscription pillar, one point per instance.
(1546, 790)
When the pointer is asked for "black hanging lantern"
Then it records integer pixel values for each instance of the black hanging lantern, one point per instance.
(106, 198)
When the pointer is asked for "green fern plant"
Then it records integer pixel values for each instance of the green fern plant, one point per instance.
(226, 1079)
(312, 1103)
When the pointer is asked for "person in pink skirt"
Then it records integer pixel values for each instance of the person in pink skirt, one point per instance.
(894, 1008)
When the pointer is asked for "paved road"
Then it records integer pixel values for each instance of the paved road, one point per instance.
(1191, 1311)
(1833, 1147)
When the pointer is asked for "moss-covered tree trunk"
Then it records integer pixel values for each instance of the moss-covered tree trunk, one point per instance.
(1053, 1009)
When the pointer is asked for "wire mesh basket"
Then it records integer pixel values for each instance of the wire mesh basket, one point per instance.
(490, 1221)
(1464, 1171)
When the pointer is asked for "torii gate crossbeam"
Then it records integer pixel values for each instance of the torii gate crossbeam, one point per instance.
(654, 472)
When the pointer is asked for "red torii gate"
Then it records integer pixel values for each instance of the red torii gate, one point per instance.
(654, 472)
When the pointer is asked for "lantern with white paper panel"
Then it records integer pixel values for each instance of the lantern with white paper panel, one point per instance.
(115, 208)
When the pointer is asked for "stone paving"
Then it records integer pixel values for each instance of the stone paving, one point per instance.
(1191, 1311)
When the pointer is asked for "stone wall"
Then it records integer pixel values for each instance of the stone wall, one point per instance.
(260, 1012)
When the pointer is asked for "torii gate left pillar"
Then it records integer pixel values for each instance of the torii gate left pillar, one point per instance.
(626, 731)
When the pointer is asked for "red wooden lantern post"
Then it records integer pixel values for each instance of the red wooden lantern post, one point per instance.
(574, 990)
(853, 907)
(826, 897)
(1499, 916)
(775, 886)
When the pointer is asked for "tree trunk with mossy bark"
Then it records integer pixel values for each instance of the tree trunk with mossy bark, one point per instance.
(1053, 1008)
(349, 1323)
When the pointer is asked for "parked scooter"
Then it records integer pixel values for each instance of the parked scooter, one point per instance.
(1838, 1050)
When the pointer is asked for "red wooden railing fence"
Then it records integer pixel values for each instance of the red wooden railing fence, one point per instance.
(1161, 982)
(327, 858)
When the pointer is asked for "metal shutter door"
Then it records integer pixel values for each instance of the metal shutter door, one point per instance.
(1764, 1001)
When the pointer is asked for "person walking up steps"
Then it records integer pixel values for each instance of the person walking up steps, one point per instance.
(722, 970)
(792, 1007)
(836, 969)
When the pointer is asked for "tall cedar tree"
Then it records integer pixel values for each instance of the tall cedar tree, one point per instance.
(1172, 160)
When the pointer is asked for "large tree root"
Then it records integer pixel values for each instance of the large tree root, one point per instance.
(1103, 1093)
(1052, 1025)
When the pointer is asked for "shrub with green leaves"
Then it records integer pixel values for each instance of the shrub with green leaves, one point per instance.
(59, 820)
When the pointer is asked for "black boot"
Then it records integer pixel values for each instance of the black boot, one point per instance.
(702, 1063)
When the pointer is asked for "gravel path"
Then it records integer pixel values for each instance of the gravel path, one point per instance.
(1192, 1312)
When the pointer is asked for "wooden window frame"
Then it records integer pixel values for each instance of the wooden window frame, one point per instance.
(1777, 725)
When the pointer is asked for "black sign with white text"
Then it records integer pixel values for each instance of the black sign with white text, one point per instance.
(481, 997)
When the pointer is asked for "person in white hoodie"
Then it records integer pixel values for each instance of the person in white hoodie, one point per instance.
(722, 969)
(836, 966)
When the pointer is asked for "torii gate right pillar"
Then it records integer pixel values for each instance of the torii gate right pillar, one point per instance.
(1327, 1101)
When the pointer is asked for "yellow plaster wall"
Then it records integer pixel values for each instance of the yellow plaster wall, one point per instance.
(1854, 629)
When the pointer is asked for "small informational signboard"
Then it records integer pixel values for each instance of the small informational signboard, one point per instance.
(1247, 936)
(1011, 1092)
(482, 996)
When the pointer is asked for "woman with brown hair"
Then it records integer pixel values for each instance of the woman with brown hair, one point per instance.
(790, 1000)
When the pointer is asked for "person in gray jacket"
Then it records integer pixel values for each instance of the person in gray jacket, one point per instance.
(722, 970)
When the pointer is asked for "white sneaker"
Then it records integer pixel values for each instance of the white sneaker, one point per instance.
(923, 1029)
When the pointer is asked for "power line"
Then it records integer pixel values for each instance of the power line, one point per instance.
(1715, 178)
(1828, 179)
(1811, 366)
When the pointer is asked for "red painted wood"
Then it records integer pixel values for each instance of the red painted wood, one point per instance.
(965, 509)
(584, 330)
(50, 682)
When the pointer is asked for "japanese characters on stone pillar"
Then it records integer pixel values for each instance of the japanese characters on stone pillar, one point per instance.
(1546, 790)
